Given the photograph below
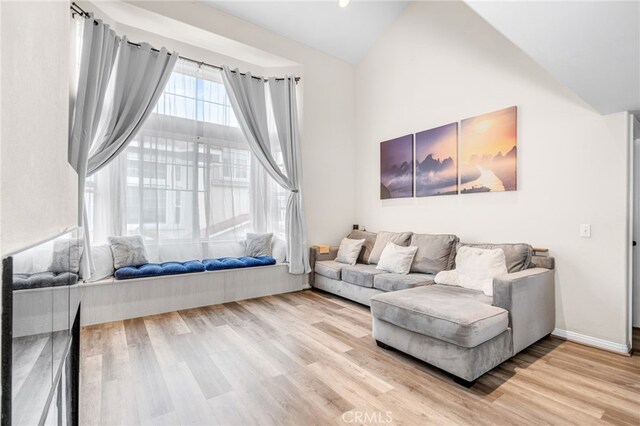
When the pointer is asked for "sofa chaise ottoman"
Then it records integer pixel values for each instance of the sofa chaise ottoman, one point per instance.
(466, 332)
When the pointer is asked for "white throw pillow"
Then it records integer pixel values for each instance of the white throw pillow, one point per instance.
(349, 251)
(477, 267)
(447, 278)
(396, 259)
(279, 250)
(102, 262)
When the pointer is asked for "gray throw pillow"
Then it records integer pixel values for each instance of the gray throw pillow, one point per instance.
(258, 245)
(66, 255)
(128, 251)
(435, 253)
(369, 240)
(384, 237)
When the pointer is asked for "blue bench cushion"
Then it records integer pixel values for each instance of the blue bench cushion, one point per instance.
(237, 262)
(156, 269)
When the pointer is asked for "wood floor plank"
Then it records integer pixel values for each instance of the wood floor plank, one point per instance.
(188, 400)
(149, 383)
(91, 377)
(309, 358)
(206, 373)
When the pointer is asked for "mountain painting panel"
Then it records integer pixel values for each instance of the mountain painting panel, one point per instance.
(437, 161)
(488, 153)
(396, 168)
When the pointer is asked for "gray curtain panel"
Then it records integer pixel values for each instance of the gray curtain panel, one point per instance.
(285, 111)
(140, 78)
(99, 50)
(118, 86)
(248, 99)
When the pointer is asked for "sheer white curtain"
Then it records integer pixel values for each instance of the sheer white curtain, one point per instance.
(188, 176)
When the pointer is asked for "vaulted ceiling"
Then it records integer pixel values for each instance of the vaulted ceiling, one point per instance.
(346, 33)
(593, 47)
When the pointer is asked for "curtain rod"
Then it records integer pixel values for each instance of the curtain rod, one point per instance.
(77, 10)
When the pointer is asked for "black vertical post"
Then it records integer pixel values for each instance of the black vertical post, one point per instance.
(74, 359)
(7, 339)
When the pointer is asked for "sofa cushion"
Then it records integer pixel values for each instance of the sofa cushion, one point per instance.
(361, 275)
(518, 256)
(369, 241)
(395, 282)
(158, 269)
(384, 237)
(435, 252)
(456, 315)
(330, 269)
(237, 262)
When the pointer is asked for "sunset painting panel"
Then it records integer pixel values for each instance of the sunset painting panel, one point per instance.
(436, 161)
(396, 168)
(488, 154)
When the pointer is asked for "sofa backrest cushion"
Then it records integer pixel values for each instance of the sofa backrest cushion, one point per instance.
(518, 256)
(384, 237)
(369, 241)
(435, 252)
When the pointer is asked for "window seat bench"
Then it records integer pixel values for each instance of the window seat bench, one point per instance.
(119, 299)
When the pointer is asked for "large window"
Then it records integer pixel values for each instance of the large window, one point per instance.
(187, 174)
(196, 98)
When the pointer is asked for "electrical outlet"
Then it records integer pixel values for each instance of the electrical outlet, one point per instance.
(585, 230)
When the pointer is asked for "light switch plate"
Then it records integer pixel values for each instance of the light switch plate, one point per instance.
(585, 230)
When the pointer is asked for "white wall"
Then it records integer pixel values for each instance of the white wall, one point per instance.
(39, 187)
(327, 131)
(439, 63)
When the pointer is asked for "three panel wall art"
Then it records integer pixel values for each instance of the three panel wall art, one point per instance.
(486, 161)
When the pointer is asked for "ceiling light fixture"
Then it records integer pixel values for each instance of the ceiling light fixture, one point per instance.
(343, 3)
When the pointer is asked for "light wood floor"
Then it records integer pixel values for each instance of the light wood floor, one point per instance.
(308, 358)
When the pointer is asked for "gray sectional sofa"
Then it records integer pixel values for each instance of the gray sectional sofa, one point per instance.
(459, 330)
(363, 281)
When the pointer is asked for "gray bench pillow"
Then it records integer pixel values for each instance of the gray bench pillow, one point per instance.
(517, 255)
(258, 245)
(369, 241)
(128, 251)
(384, 237)
(435, 252)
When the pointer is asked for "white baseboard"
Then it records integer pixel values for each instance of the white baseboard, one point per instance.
(592, 341)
